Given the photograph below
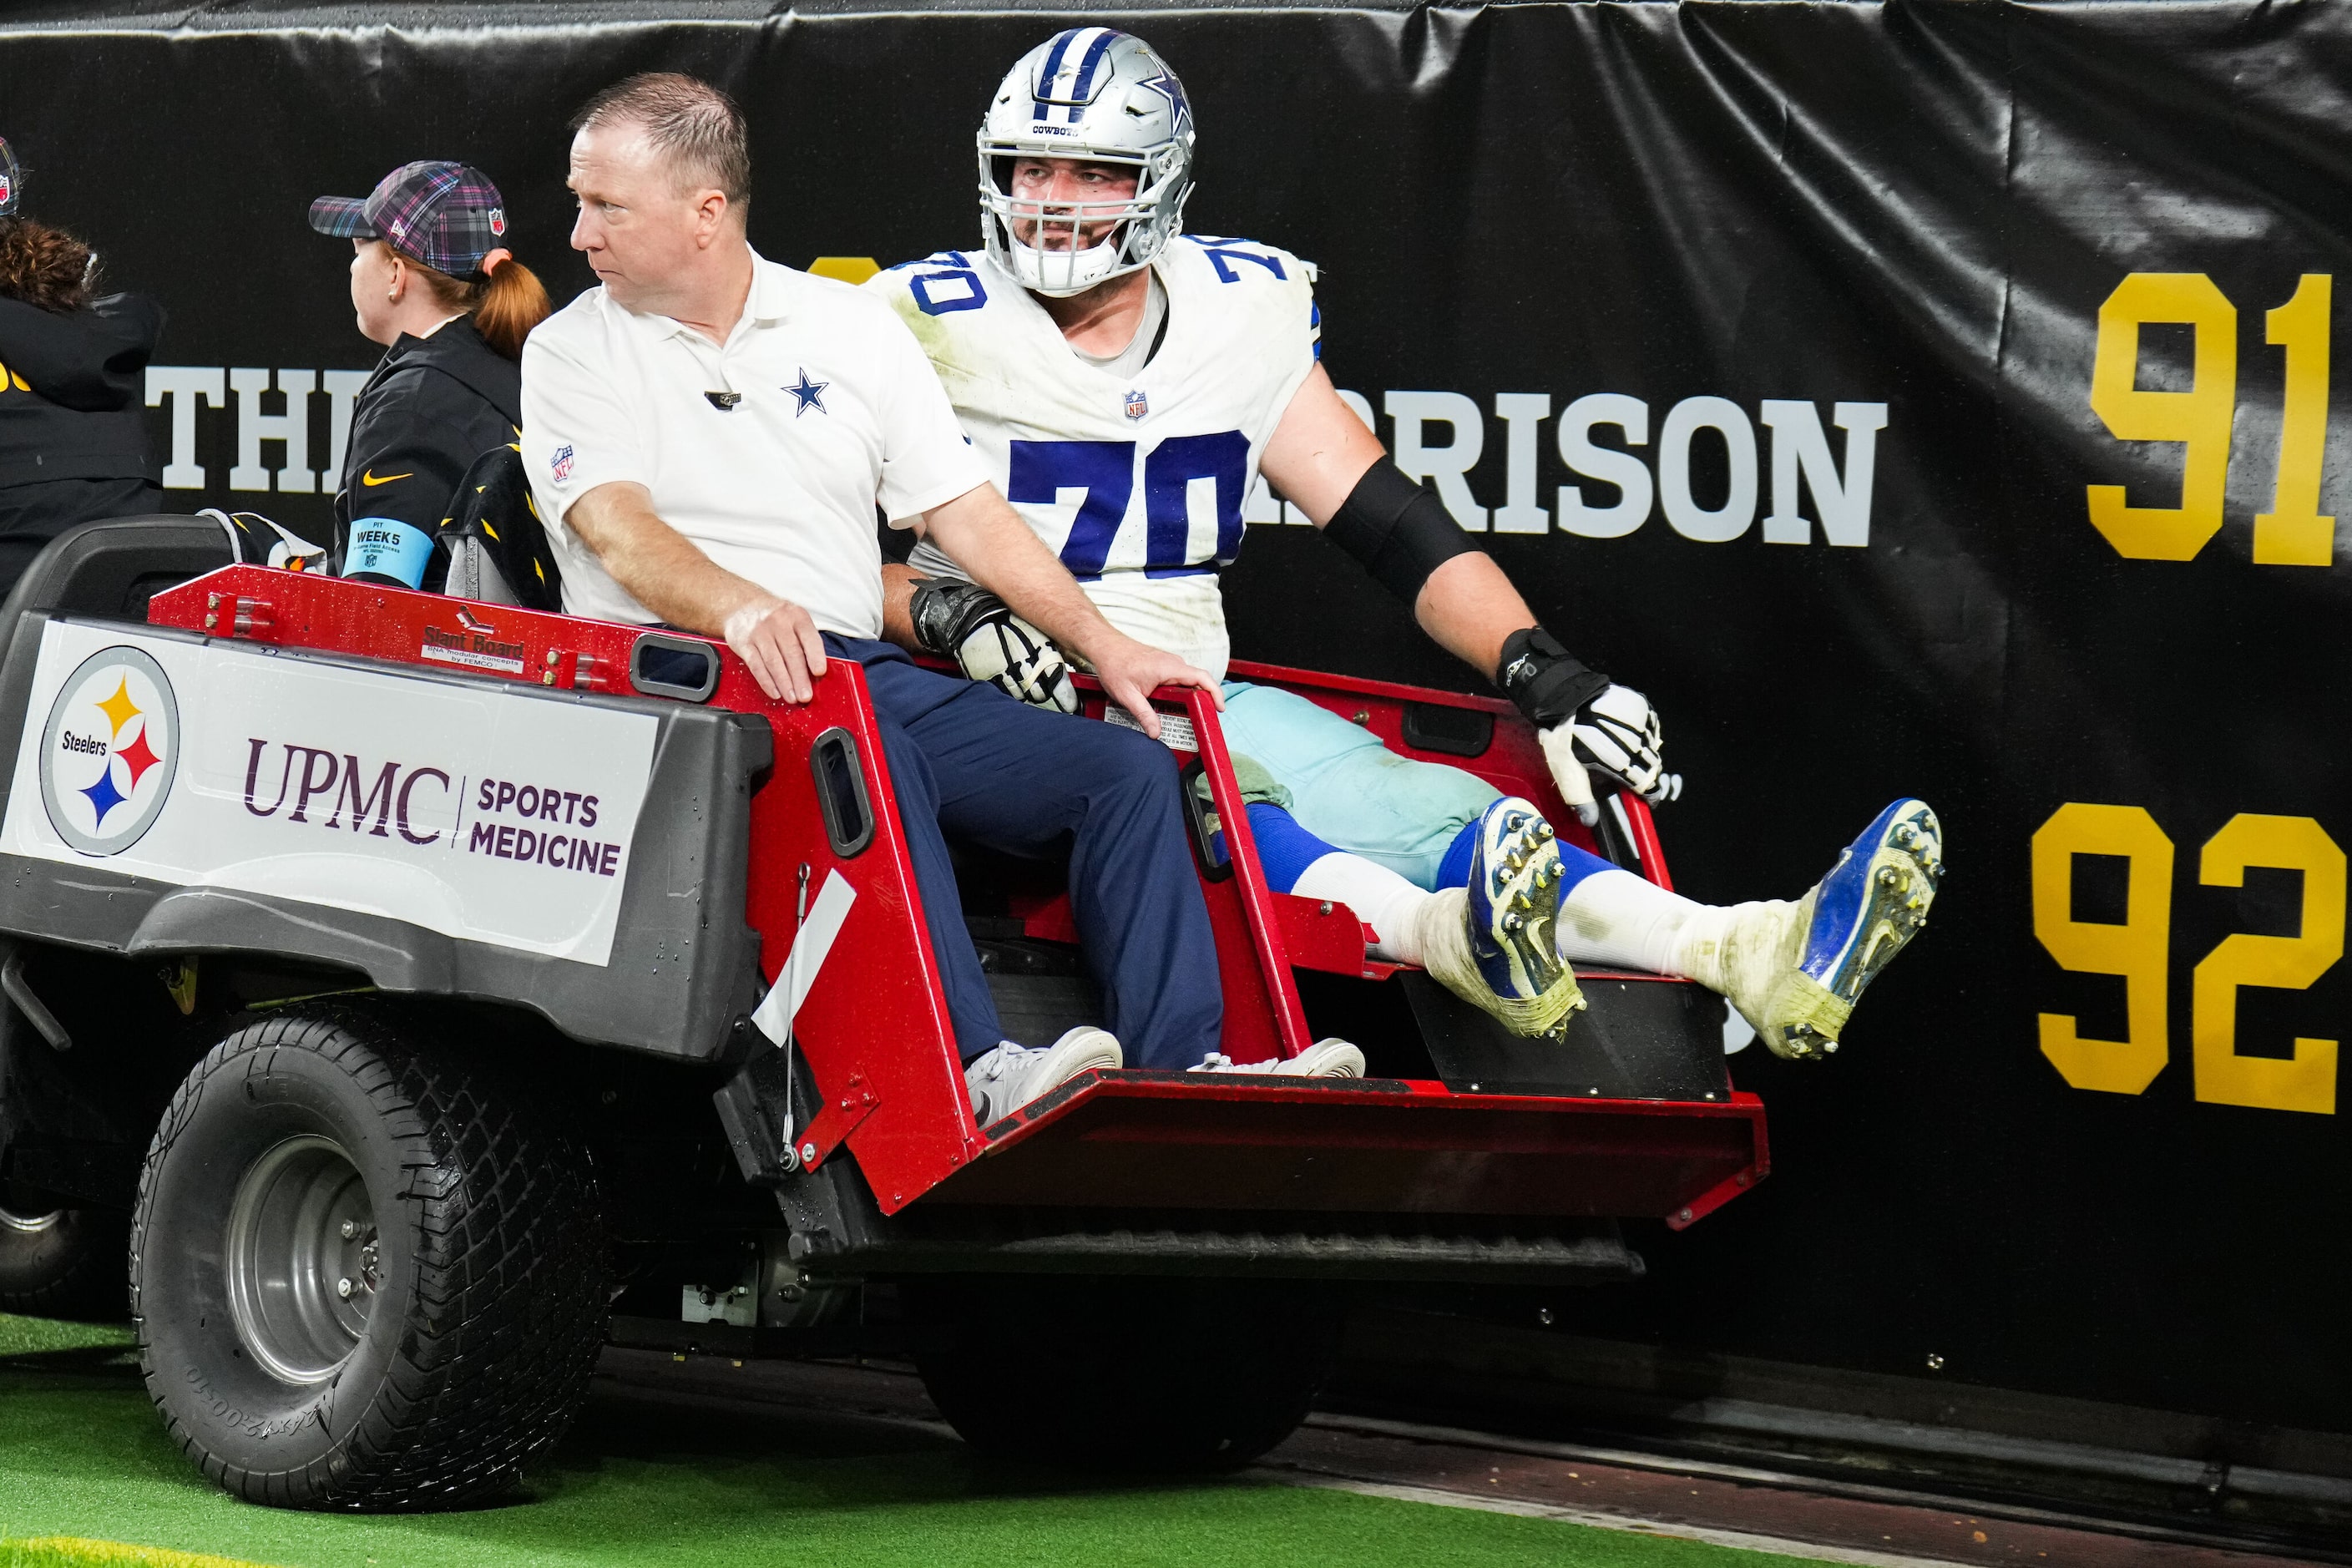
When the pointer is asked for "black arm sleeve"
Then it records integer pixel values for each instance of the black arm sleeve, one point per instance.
(1399, 531)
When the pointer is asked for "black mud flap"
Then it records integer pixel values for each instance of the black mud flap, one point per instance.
(1636, 1039)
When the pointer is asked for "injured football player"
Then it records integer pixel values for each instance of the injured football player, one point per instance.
(1093, 351)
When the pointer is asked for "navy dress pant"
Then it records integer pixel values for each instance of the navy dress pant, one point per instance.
(966, 759)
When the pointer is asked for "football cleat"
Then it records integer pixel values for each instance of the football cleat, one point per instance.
(1795, 970)
(1493, 944)
(1324, 1059)
(1011, 1075)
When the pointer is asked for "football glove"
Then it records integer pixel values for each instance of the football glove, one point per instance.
(1617, 735)
(966, 623)
(1586, 721)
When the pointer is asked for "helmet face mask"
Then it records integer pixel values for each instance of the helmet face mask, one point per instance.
(1088, 95)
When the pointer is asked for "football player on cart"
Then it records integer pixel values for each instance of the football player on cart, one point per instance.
(1128, 384)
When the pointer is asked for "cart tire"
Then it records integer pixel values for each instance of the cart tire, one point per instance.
(62, 1263)
(1129, 1375)
(366, 1274)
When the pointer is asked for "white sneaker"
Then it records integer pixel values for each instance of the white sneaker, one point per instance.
(1324, 1059)
(1011, 1075)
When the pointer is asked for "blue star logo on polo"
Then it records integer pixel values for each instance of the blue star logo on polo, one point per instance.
(810, 393)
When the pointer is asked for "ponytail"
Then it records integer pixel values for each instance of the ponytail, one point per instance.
(511, 303)
(507, 301)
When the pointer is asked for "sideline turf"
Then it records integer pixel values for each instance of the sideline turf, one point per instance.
(646, 1482)
(66, 1551)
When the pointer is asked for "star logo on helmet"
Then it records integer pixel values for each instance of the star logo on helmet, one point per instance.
(1166, 85)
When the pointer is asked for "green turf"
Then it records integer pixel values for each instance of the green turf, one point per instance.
(69, 1553)
(646, 1482)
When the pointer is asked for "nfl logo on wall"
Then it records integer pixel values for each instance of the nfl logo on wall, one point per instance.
(1136, 406)
(109, 751)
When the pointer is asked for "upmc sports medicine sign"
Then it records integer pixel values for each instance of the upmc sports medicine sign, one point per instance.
(472, 810)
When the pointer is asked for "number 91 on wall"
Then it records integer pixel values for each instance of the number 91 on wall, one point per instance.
(2292, 532)
(2139, 949)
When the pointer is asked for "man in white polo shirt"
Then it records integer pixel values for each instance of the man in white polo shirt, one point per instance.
(708, 436)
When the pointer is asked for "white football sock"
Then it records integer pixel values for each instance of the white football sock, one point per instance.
(1616, 918)
(1381, 899)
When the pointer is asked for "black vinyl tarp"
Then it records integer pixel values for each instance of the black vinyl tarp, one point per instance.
(1800, 348)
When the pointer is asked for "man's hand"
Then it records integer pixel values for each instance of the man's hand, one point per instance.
(669, 575)
(1130, 671)
(966, 623)
(778, 641)
(1617, 735)
(988, 539)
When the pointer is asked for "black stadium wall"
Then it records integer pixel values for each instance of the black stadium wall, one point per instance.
(1925, 398)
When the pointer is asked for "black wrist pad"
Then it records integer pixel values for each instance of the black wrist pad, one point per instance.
(1548, 683)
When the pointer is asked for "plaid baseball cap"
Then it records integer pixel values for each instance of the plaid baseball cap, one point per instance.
(12, 180)
(446, 216)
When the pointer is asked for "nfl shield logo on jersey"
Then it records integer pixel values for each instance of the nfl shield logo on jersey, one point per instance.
(1136, 406)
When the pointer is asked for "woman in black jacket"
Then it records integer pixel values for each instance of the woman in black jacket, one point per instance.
(430, 281)
(73, 428)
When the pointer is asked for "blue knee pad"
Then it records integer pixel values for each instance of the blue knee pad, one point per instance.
(1575, 864)
(1285, 849)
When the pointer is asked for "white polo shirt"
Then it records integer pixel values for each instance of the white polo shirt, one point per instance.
(836, 411)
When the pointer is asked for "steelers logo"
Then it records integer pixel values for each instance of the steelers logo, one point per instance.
(110, 751)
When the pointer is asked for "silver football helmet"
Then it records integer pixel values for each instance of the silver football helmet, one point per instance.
(1104, 97)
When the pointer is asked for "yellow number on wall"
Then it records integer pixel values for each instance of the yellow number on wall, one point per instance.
(2198, 418)
(2137, 950)
(2307, 1081)
(2292, 533)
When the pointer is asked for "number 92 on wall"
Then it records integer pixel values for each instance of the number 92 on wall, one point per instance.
(2138, 948)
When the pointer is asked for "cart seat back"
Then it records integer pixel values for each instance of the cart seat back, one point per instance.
(111, 569)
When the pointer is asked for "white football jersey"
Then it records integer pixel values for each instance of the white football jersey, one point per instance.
(1136, 481)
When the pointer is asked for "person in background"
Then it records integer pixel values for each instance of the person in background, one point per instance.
(432, 283)
(73, 427)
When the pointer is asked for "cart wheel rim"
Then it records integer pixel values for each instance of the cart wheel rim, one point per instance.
(30, 1224)
(302, 1261)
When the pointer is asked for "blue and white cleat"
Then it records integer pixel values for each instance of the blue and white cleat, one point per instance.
(1833, 943)
(1494, 944)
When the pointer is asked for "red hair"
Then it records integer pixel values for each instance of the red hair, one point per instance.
(506, 305)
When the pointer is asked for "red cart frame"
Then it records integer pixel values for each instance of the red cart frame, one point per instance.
(874, 1024)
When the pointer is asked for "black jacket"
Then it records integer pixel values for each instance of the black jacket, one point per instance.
(74, 402)
(432, 408)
